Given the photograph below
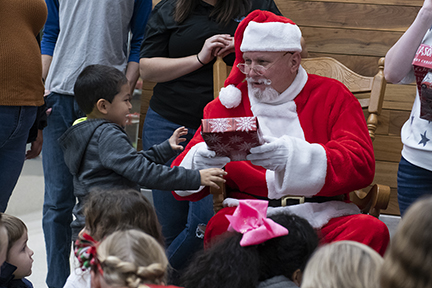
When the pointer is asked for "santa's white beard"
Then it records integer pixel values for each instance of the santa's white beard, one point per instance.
(266, 95)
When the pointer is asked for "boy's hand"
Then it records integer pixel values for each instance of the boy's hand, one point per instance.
(212, 176)
(175, 139)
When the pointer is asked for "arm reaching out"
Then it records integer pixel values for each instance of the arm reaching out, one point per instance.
(212, 176)
(399, 58)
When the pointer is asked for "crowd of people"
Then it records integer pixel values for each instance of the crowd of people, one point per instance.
(287, 220)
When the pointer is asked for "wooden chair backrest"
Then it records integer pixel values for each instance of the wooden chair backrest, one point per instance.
(368, 90)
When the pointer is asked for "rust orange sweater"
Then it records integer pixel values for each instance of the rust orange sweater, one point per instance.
(20, 58)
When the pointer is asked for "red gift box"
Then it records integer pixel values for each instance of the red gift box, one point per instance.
(231, 137)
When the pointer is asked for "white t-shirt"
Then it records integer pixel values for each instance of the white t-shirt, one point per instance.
(416, 133)
(78, 279)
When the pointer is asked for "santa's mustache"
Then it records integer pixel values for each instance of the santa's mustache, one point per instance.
(264, 81)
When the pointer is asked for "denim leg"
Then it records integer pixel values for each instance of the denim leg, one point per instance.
(59, 197)
(413, 182)
(15, 123)
(180, 251)
(179, 219)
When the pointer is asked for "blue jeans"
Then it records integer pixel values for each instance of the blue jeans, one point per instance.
(59, 191)
(413, 182)
(15, 123)
(179, 219)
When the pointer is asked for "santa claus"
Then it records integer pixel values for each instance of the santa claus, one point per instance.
(317, 147)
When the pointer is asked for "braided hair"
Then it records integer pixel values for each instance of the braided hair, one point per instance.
(130, 258)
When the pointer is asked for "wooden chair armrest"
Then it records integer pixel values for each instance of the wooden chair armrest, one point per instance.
(373, 201)
(219, 196)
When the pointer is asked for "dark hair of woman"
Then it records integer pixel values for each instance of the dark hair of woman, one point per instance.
(223, 11)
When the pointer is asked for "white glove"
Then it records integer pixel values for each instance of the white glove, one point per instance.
(272, 155)
(205, 158)
(230, 202)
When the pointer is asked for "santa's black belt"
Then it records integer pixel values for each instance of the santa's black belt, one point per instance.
(294, 200)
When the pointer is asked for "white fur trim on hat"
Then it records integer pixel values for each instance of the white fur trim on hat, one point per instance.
(230, 96)
(271, 36)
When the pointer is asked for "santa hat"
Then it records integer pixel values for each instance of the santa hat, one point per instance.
(259, 31)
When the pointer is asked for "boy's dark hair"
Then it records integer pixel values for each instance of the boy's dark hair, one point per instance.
(107, 211)
(227, 264)
(97, 82)
(15, 228)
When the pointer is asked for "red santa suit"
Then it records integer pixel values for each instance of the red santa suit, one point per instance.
(326, 145)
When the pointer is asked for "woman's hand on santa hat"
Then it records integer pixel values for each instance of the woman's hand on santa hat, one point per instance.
(205, 158)
(272, 155)
(212, 46)
(226, 50)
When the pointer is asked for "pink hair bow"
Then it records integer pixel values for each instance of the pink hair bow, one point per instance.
(250, 219)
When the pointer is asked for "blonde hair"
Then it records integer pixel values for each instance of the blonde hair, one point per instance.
(131, 257)
(344, 264)
(15, 228)
(409, 257)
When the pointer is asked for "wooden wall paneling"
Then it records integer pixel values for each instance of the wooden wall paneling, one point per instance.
(385, 173)
(400, 93)
(387, 148)
(341, 14)
(409, 3)
(349, 41)
(393, 207)
(393, 105)
(397, 119)
(363, 65)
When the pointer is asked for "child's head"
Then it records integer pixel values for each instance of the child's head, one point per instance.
(18, 253)
(128, 259)
(344, 264)
(409, 257)
(3, 241)
(107, 211)
(287, 255)
(103, 92)
(228, 264)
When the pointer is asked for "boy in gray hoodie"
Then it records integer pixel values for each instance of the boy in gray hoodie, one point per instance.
(99, 153)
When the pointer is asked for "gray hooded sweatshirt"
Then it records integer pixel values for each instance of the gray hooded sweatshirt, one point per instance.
(99, 154)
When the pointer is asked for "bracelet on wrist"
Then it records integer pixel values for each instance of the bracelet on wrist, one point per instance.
(200, 60)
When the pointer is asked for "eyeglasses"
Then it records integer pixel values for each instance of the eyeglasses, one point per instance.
(259, 69)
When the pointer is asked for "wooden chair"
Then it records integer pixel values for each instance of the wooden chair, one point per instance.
(370, 92)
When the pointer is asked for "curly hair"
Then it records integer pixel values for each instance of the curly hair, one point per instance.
(107, 211)
(284, 255)
(409, 258)
(343, 264)
(130, 258)
(227, 264)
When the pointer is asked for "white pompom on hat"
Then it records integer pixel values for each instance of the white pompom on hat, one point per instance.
(259, 31)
